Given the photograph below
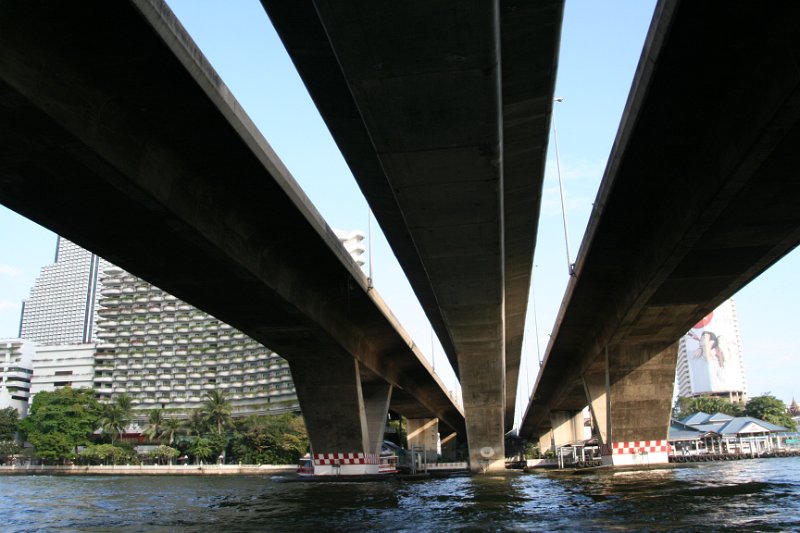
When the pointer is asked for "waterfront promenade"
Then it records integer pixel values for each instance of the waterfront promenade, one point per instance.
(147, 470)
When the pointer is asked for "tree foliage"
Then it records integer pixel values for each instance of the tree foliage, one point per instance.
(116, 416)
(217, 410)
(163, 454)
(103, 454)
(201, 449)
(155, 425)
(60, 421)
(770, 409)
(171, 429)
(9, 422)
(687, 406)
(196, 424)
(8, 449)
(280, 439)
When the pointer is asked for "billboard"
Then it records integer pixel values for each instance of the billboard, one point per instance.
(713, 352)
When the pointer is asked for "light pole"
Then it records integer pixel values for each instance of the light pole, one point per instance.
(570, 269)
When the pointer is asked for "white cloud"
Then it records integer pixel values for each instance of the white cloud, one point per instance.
(9, 270)
(5, 305)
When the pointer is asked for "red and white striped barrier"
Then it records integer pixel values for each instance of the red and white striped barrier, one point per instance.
(633, 453)
(640, 446)
(358, 458)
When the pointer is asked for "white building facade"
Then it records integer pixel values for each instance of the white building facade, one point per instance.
(66, 365)
(62, 306)
(710, 359)
(16, 370)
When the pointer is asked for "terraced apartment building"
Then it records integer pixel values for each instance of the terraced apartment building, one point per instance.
(165, 353)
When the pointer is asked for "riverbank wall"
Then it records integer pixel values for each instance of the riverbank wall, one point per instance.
(147, 470)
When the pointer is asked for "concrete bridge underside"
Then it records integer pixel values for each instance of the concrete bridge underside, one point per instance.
(699, 197)
(118, 134)
(442, 111)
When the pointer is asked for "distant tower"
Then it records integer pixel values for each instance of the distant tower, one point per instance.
(710, 357)
(62, 307)
(353, 242)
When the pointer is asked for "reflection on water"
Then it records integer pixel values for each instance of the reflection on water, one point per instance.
(744, 495)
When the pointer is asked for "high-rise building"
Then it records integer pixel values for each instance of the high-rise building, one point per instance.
(62, 306)
(710, 357)
(165, 353)
(16, 369)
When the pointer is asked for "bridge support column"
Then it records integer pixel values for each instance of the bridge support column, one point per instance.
(567, 427)
(449, 446)
(345, 422)
(377, 397)
(546, 442)
(638, 404)
(424, 433)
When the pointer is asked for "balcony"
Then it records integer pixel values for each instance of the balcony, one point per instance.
(169, 308)
(195, 387)
(179, 387)
(149, 388)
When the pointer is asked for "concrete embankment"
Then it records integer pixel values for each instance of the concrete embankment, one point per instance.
(148, 470)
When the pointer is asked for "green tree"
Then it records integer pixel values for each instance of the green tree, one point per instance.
(163, 454)
(60, 421)
(770, 409)
(196, 423)
(155, 425)
(217, 410)
(106, 454)
(689, 405)
(113, 420)
(9, 423)
(280, 439)
(8, 449)
(172, 427)
(201, 449)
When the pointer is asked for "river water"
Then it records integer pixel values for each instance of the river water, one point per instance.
(761, 495)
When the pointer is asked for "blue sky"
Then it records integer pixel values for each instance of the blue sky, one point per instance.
(601, 44)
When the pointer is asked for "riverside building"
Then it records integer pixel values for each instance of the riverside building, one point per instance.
(16, 369)
(710, 360)
(165, 353)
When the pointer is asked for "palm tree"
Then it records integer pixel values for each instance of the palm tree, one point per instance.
(171, 428)
(196, 423)
(114, 420)
(217, 410)
(155, 425)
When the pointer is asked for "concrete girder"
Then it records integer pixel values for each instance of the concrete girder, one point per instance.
(697, 199)
(143, 127)
(447, 142)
